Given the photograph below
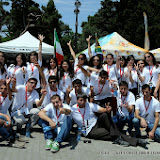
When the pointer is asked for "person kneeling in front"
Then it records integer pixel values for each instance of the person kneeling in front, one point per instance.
(55, 122)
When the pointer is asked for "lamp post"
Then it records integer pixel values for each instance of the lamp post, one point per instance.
(76, 11)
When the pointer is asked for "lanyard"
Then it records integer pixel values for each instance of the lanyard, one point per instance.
(108, 69)
(148, 104)
(51, 73)
(123, 100)
(57, 115)
(77, 70)
(32, 67)
(81, 113)
(15, 70)
(121, 73)
(150, 70)
(1, 102)
(26, 96)
(100, 90)
(65, 75)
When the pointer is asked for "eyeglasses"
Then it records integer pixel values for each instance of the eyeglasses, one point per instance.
(147, 57)
(52, 82)
(96, 60)
(35, 83)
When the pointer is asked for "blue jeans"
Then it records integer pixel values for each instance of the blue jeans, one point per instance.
(136, 124)
(7, 133)
(120, 121)
(63, 134)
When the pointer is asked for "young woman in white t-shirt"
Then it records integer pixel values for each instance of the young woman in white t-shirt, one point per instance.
(19, 71)
(121, 63)
(131, 74)
(151, 72)
(66, 75)
(3, 68)
(110, 67)
(52, 69)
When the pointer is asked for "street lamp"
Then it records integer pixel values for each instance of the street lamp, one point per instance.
(76, 11)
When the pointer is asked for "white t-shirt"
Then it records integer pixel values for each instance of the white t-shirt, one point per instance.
(17, 72)
(73, 95)
(65, 82)
(88, 113)
(78, 72)
(111, 70)
(48, 73)
(20, 98)
(154, 106)
(120, 75)
(51, 112)
(134, 77)
(35, 72)
(49, 94)
(100, 91)
(130, 99)
(150, 71)
(4, 104)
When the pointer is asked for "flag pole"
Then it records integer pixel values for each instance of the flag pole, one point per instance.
(54, 56)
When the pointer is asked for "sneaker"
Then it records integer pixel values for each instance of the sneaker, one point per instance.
(121, 142)
(48, 144)
(142, 142)
(55, 147)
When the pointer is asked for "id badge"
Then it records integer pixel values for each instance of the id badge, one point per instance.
(83, 130)
(26, 111)
(58, 129)
(150, 84)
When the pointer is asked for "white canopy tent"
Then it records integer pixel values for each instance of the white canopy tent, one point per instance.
(26, 43)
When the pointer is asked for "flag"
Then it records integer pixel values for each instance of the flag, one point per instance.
(98, 49)
(146, 39)
(58, 49)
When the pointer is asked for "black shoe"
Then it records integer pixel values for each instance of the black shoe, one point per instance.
(121, 142)
(142, 142)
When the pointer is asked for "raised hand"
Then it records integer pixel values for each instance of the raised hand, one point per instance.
(108, 107)
(69, 43)
(8, 80)
(68, 90)
(41, 37)
(88, 39)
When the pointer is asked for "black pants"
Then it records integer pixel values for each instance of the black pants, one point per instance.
(106, 130)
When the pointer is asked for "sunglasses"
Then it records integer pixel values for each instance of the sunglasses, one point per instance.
(52, 82)
(147, 57)
(52, 62)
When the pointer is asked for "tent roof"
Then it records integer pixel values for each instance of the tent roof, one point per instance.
(114, 43)
(26, 43)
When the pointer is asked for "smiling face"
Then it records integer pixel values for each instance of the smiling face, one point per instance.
(141, 65)
(31, 85)
(3, 90)
(109, 60)
(52, 63)
(19, 60)
(81, 102)
(96, 61)
(65, 66)
(81, 59)
(2, 58)
(148, 59)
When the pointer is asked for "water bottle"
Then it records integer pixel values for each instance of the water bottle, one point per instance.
(114, 89)
(79, 134)
(28, 131)
(45, 129)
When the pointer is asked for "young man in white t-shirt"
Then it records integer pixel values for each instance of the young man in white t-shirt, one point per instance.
(101, 127)
(25, 97)
(125, 103)
(52, 89)
(55, 116)
(147, 114)
(71, 95)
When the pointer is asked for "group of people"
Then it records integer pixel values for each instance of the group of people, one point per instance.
(97, 94)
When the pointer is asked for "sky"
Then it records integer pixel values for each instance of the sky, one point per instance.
(66, 9)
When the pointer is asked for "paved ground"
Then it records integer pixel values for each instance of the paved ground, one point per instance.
(97, 150)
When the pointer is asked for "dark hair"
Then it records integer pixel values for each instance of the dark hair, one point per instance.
(82, 95)
(103, 73)
(153, 59)
(52, 78)
(34, 53)
(129, 58)
(109, 54)
(123, 83)
(70, 69)
(85, 58)
(4, 57)
(55, 59)
(23, 57)
(145, 86)
(77, 81)
(2, 68)
(56, 96)
(32, 78)
(100, 61)
(123, 58)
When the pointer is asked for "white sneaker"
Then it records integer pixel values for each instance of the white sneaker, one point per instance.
(48, 144)
(55, 147)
